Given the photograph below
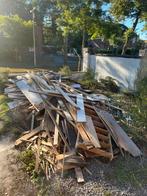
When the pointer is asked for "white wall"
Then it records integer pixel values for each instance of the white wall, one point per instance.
(124, 70)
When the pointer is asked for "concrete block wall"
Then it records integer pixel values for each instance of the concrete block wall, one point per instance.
(124, 70)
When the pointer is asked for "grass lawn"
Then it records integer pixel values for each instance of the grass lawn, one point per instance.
(18, 70)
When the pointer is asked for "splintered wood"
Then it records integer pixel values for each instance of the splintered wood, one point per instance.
(66, 125)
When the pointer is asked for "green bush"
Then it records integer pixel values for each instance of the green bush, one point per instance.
(88, 80)
(109, 84)
(140, 111)
(28, 159)
(65, 70)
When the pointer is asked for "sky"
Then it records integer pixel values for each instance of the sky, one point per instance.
(142, 34)
(129, 22)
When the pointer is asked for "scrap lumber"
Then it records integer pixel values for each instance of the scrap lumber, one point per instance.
(28, 136)
(68, 99)
(56, 133)
(25, 89)
(67, 126)
(81, 117)
(121, 138)
(90, 130)
(96, 151)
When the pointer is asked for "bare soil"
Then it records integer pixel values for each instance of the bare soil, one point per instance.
(13, 181)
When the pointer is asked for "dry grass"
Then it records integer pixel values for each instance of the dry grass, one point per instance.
(18, 70)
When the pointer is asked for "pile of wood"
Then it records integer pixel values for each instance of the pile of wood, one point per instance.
(68, 126)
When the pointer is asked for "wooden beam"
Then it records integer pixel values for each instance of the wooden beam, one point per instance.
(28, 135)
(56, 133)
(81, 117)
(90, 130)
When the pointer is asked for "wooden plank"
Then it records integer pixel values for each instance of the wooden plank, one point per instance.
(81, 117)
(56, 133)
(90, 130)
(120, 137)
(96, 151)
(79, 126)
(65, 95)
(46, 143)
(99, 124)
(33, 98)
(28, 135)
(103, 137)
(101, 130)
(67, 154)
(67, 166)
(79, 175)
(60, 131)
(82, 132)
(37, 155)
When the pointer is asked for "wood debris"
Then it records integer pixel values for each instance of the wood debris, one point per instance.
(67, 125)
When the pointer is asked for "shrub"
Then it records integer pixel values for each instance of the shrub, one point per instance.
(109, 84)
(89, 80)
(65, 70)
(28, 159)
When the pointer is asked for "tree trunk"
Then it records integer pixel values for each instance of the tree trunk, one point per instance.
(133, 29)
(83, 41)
(125, 46)
(82, 48)
(65, 49)
(39, 38)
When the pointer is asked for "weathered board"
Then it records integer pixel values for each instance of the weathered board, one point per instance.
(118, 134)
(91, 132)
(65, 95)
(33, 98)
(81, 117)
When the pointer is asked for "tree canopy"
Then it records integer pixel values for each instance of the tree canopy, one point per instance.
(85, 19)
(16, 32)
(136, 10)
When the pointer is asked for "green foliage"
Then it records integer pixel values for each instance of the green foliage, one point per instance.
(132, 174)
(5, 119)
(109, 84)
(78, 15)
(28, 159)
(125, 9)
(16, 34)
(65, 70)
(140, 111)
(88, 80)
(15, 7)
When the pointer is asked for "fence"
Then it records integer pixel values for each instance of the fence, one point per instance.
(123, 69)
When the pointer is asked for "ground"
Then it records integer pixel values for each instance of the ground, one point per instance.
(13, 181)
(124, 176)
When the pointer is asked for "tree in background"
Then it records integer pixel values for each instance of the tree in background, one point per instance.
(136, 10)
(16, 33)
(15, 7)
(78, 16)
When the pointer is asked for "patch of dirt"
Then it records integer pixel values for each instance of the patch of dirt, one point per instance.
(13, 181)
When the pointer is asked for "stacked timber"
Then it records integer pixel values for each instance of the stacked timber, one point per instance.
(67, 125)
